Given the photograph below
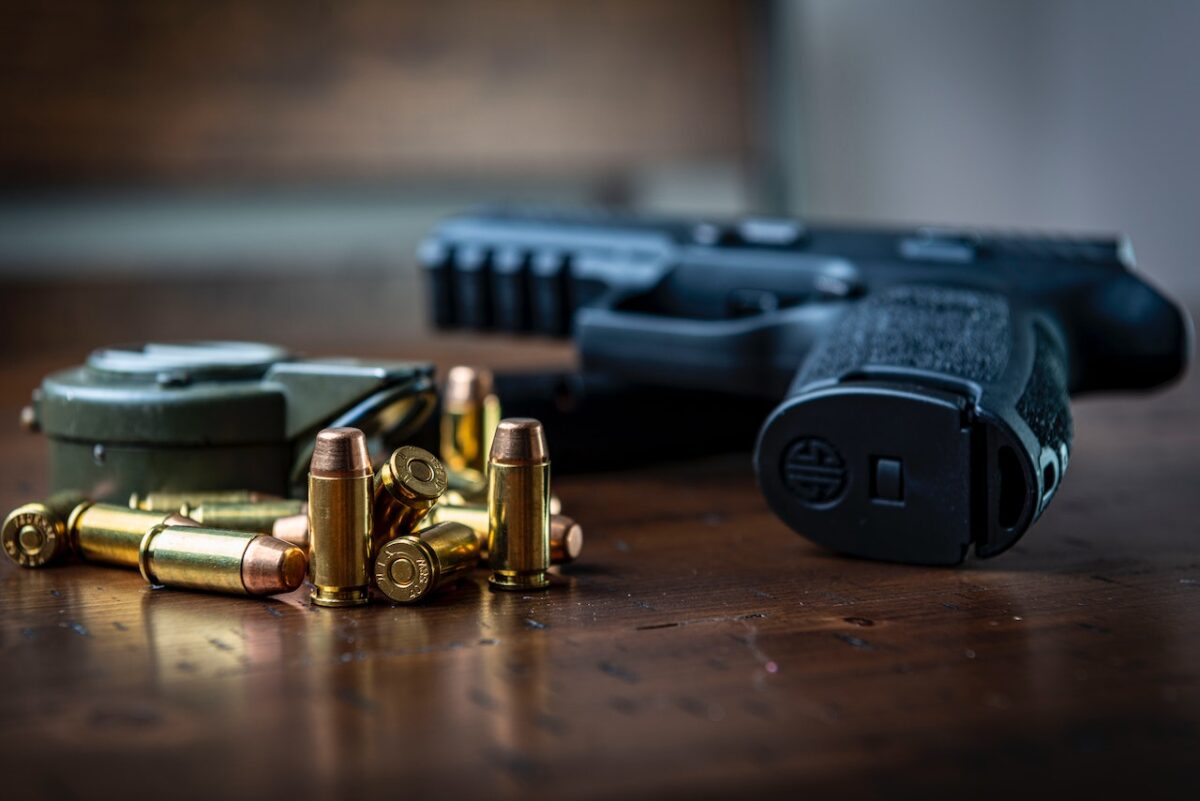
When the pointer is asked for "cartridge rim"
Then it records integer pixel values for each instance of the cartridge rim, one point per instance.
(405, 569)
(338, 596)
(73, 521)
(170, 521)
(514, 581)
(414, 475)
(33, 535)
(144, 554)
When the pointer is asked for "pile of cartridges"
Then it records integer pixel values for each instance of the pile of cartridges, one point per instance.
(407, 529)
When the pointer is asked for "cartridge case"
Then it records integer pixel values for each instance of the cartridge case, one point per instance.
(457, 497)
(566, 536)
(414, 566)
(172, 501)
(111, 534)
(406, 487)
(214, 560)
(470, 414)
(256, 516)
(36, 534)
(339, 518)
(518, 541)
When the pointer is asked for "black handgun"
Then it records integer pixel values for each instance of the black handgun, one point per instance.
(924, 373)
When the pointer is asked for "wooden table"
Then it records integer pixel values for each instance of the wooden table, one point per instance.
(698, 649)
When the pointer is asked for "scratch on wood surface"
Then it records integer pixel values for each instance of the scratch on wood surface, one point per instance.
(702, 620)
(854, 642)
(750, 640)
(482, 700)
(626, 706)
(618, 672)
(355, 699)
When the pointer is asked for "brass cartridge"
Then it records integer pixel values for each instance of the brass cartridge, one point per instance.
(111, 534)
(256, 516)
(172, 501)
(518, 541)
(236, 562)
(36, 534)
(406, 488)
(454, 497)
(414, 566)
(339, 518)
(566, 536)
(470, 414)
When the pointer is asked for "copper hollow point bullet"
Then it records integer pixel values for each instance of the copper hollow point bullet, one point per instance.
(339, 518)
(272, 566)
(518, 541)
(406, 487)
(566, 539)
(215, 560)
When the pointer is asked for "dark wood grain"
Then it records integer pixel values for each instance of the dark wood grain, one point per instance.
(698, 649)
(212, 91)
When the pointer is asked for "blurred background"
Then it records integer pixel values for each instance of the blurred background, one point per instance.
(209, 168)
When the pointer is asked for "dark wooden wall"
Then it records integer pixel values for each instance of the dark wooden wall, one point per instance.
(218, 90)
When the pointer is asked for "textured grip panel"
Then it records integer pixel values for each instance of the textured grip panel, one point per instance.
(950, 331)
(1043, 404)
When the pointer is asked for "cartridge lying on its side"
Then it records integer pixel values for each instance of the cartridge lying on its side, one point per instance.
(42, 533)
(339, 518)
(256, 516)
(36, 534)
(414, 566)
(237, 562)
(111, 534)
(171, 501)
(406, 487)
(518, 541)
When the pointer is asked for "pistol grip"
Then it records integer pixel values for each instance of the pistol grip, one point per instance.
(928, 420)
